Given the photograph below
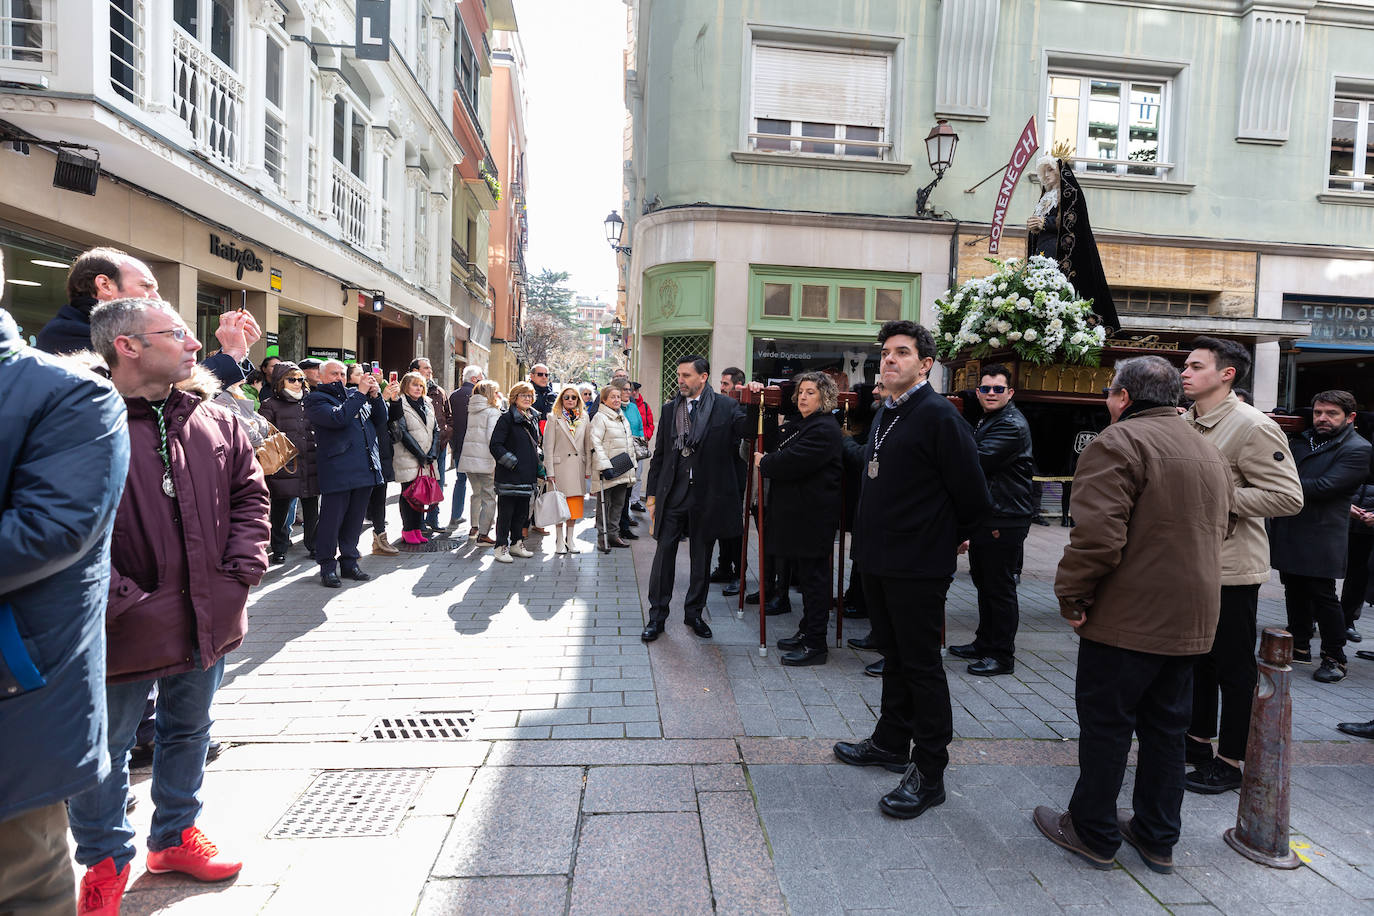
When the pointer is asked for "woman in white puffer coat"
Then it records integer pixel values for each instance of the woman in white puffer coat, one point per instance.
(477, 462)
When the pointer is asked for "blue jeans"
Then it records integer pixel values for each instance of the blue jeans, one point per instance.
(432, 516)
(460, 495)
(98, 821)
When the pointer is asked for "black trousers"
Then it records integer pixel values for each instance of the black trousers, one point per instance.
(281, 531)
(907, 617)
(412, 519)
(625, 517)
(512, 518)
(812, 574)
(1310, 599)
(1230, 668)
(1119, 692)
(340, 526)
(993, 562)
(1355, 588)
(673, 526)
(376, 509)
(730, 549)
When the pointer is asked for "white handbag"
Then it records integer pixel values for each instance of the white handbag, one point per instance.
(551, 508)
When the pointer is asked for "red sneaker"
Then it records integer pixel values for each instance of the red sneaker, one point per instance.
(102, 889)
(196, 856)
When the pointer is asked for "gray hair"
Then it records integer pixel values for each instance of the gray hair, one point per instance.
(122, 318)
(586, 388)
(471, 373)
(335, 362)
(1149, 378)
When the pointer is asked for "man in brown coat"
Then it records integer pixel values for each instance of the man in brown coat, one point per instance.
(190, 540)
(1139, 582)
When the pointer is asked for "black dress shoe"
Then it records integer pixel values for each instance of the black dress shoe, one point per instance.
(796, 641)
(357, 575)
(1213, 777)
(331, 580)
(276, 559)
(777, 606)
(991, 667)
(629, 535)
(1353, 635)
(651, 631)
(638, 506)
(1365, 654)
(751, 598)
(141, 756)
(699, 627)
(965, 651)
(720, 575)
(913, 796)
(875, 669)
(731, 589)
(214, 750)
(806, 655)
(855, 613)
(863, 643)
(1039, 520)
(867, 754)
(1358, 729)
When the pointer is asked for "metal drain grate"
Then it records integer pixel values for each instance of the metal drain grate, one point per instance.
(443, 726)
(342, 803)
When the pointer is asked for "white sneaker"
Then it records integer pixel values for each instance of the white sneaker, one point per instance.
(518, 550)
(502, 555)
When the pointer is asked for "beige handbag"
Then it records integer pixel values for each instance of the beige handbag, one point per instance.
(276, 451)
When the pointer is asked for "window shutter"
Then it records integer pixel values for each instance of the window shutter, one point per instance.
(826, 87)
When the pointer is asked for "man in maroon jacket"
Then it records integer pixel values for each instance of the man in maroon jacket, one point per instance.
(189, 542)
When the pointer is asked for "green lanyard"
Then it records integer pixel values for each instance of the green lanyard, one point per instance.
(167, 486)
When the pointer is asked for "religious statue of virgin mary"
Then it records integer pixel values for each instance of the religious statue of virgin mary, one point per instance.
(1059, 230)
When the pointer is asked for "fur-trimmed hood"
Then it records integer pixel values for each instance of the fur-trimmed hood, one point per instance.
(202, 382)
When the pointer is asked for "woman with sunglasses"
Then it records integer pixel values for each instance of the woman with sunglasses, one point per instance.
(565, 448)
(515, 444)
(298, 479)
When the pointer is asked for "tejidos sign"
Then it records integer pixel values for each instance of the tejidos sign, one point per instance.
(245, 258)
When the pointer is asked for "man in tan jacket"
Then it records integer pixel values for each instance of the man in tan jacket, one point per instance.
(1139, 581)
(1266, 484)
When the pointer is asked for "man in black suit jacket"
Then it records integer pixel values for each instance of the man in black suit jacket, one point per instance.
(922, 493)
(692, 476)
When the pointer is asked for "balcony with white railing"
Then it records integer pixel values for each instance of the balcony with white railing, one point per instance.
(352, 204)
(209, 97)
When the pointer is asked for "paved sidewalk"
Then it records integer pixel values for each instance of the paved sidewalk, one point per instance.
(689, 776)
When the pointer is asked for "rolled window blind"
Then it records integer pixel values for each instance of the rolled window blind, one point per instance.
(827, 87)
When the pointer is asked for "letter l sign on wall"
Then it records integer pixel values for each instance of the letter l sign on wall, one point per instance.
(373, 39)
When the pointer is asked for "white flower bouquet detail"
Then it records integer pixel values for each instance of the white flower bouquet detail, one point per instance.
(1027, 305)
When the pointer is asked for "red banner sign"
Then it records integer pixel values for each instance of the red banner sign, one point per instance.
(1026, 145)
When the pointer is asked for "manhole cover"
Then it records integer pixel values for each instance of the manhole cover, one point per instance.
(445, 726)
(351, 803)
(433, 545)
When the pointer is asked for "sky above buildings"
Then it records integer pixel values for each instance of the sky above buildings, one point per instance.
(575, 128)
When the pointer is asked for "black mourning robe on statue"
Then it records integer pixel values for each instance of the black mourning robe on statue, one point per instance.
(1068, 239)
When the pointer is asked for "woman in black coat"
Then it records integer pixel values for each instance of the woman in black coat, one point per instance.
(285, 410)
(515, 446)
(802, 509)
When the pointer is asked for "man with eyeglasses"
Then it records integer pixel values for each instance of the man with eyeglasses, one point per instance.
(190, 540)
(544, 396)
(1004, 452)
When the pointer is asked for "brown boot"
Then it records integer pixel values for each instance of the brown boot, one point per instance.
(382, 547)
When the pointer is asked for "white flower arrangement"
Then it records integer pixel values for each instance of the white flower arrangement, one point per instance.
(1028, 305)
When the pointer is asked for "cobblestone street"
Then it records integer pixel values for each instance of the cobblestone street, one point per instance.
(600, 775)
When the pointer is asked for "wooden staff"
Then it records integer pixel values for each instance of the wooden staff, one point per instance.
(846, 400)
(746, 397)
(772, 397)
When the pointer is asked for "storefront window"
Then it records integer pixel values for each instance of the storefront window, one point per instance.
(36, 280)
(851, 303)
(210, 304)
(776, 360)
(290, 336)
(887, 305)
(815, 302)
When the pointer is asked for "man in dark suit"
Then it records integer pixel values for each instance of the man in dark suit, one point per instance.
(692, 476)
(922, 493)
(1309, 549)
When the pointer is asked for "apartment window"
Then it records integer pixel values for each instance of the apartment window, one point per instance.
(274, 126)
(467, 69)
(312, 131)
(1113, 123)
(350, 136)
(211, 22)
(26, 33)
(820, 102)
(842, 298)
(127, 49)
(1162, 302)
(1352, 145)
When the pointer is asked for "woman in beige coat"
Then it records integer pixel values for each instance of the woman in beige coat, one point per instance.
(610, 437)
(417, 450)
(565, 459)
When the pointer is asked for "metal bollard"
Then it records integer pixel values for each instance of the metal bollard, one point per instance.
(1261, 831)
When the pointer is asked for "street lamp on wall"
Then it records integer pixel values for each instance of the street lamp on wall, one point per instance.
(940, 145)
(615, 230)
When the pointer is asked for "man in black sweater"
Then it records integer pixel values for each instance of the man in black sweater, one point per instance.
(922, 494)
(994, 552)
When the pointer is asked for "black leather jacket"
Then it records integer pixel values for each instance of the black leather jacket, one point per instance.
(1004, 451)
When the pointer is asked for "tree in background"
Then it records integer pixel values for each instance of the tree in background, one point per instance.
(545, 292)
